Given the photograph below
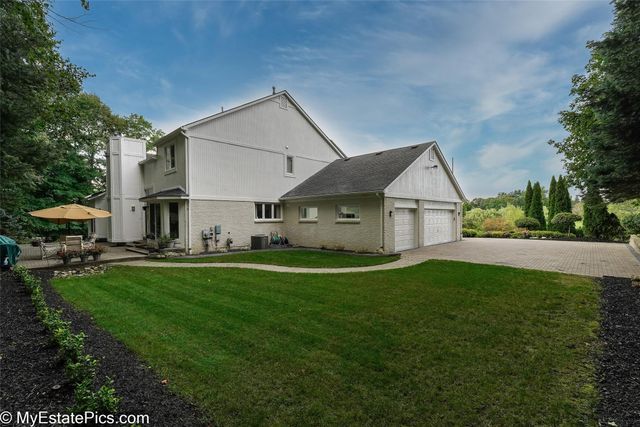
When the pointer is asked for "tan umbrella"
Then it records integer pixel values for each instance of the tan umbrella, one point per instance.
(65, 213)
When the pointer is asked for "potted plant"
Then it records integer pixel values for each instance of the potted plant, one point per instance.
(84, 256)
(164, 241)
(67, 256)
(97, 252)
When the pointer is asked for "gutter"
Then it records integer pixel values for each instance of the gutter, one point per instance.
(188, 184)
(381, 220)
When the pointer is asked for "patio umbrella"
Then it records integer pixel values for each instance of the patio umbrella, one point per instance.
(66, 213)
(9, 251)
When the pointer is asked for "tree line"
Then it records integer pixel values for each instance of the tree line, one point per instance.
(602, 150)
(53, 134)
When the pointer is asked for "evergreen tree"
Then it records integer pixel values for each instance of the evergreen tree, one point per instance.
(598, 221)
(527, 199)
(563, 199)
(552, 198)
(536, 209)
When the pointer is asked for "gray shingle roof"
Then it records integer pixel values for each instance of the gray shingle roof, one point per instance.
(177, 192)
(367, 173)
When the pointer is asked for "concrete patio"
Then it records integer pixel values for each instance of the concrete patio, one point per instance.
(30, 257)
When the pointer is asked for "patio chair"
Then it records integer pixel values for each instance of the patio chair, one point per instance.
(91, 243)
(72, 243)
(49, 250)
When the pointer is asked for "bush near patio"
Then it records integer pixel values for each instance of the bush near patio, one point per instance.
(438, 343)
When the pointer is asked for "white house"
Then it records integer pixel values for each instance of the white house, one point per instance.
(265, 167)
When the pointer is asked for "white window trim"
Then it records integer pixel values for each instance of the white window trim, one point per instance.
(348, 220)
(167, 149)
(293, 164)
(312, 220)
(255, 219)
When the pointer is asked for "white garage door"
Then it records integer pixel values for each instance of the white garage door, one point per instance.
(438, 226)
(405, 229)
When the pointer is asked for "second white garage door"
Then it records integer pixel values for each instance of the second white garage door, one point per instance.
(405, 229)
(438, 226)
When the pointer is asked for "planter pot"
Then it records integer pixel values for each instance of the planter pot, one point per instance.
(65, 261)
(96, 257)
(84, 258)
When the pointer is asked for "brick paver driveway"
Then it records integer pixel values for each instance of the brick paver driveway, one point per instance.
(583, 258)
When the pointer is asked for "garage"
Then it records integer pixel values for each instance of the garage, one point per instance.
(438, 226)
(405, 227)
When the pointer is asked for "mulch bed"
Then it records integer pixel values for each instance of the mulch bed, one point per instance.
(32, 376)
(30, 367)
(619, 369)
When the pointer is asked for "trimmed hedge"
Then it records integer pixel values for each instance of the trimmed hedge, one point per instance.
(537, 234)
(80, 368)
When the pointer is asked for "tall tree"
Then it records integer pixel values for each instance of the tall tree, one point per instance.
(598, 222)
(36, 79)
(552, 198)
(563, 198)
(528, 194)
(602, 149)
(536, 209)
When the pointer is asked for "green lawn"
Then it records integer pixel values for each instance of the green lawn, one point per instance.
(439, 343)
(294, 258)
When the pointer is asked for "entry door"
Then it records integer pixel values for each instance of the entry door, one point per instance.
(438, 226)
(405, 229)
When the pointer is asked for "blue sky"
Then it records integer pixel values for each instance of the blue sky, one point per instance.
(484, 79)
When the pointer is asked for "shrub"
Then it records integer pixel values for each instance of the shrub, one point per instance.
(632, 223)
(496, 224)
(548, 234)
(79, 367)
(528, 223)
(469, 232)
(565, 221)
(475, 217)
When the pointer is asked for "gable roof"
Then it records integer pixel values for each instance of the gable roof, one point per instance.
(249, 104)
(367, 173)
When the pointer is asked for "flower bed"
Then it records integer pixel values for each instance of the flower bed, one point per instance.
(79, 367)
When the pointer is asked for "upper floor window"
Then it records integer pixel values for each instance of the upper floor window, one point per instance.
(170, 157)
(268, 211)
(432, 154)
(308, 213)
(347, 213)
(289, 165)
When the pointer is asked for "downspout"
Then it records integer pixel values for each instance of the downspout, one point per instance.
(188, 184)
(381, 220)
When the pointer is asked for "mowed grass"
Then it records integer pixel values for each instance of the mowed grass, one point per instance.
(439, 343)
(293, 258)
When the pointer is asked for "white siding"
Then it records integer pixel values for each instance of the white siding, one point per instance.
(156, 177)
(241, 156)
(422, 181)
(125, 186)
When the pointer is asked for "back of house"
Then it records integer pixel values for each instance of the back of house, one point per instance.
(266, 167)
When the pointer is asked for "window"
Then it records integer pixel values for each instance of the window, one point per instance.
(268, 211)
(289, 165)
(308, 213)
(170, 157)
(432, 154)
(347, 213)
(155, 219)
(283, 102)
(173, 221)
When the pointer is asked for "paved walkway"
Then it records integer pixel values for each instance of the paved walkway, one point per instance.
(582, 258)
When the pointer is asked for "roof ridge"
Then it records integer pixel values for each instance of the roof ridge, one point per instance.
(391, 149)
